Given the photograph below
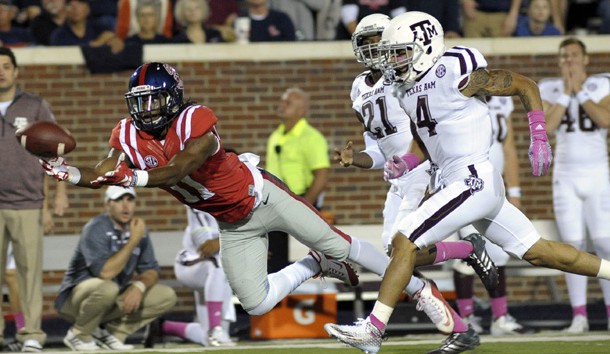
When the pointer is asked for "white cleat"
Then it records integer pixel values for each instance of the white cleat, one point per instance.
(431, 301)
(217, 337)
(361, 335)
(580, 324)
(507, 325)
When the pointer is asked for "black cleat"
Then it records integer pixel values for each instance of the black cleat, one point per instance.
(480, 261)
(459, 342)
(153, 333)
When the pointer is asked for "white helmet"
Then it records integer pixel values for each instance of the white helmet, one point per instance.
(371, 25)
(410, 45)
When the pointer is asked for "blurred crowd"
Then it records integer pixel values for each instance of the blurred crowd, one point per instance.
(116, 22)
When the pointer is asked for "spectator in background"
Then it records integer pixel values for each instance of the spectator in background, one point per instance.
(111, 289)
(537, 21)
(198, 267)
(490, 18)
(24, 211)
(53, 16)
(302, 13)
(10, 35)
(447, 12)
(268, 25)
(191, 14)
(327, 20)
(578, 112)
(222, 13)
(27, 10)
(104, 13)
(148, 14)
(297, 153)
(352, 11)
(127, 22)
(79, 30)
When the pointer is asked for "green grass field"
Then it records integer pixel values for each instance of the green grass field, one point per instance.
(549, 343)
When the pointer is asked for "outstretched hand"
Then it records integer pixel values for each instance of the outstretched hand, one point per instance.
(345, 156)
(55, 167)
(122, 175)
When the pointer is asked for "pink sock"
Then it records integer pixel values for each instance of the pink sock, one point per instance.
(377, 323)
(579, 310)
(499, 306)
(174, 328)
(19, 320)
(214, 313)
(460, 326)
(452, 250)
(465, 306)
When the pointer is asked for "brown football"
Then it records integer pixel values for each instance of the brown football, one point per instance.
(46, 139)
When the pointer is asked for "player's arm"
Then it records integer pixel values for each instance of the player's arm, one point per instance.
(485, 82)
(362, 159)
(195, 153)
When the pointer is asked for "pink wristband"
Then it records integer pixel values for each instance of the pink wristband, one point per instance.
(411, 160)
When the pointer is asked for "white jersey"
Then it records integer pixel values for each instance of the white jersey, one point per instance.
(384, 120)
(579, 140)
(500, 109)
(439, 109)
(201, 227)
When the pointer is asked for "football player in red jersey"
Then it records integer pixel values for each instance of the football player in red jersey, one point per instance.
(171, 143)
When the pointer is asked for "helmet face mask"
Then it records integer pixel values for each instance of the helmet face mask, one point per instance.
(410, 46)
(365, 38)
(155, 97)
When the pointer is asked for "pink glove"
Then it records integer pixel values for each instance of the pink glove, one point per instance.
(60, 170)
(122, 175)
(399, 165)
(540, 153)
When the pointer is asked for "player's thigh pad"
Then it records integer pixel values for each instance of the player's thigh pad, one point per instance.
(285, 212)
(510, 229)
(244, 251)
(450, 209)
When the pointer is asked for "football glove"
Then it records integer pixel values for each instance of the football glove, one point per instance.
(398, 166)
(539, 152)
(58, 168)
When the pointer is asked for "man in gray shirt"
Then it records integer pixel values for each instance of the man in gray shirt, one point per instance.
(110, 289)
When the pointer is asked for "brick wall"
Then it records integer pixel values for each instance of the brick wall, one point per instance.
(244, 96)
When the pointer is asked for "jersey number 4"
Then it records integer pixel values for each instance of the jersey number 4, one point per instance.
(424, 118)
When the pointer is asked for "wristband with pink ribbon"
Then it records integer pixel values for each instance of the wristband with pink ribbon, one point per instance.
(540, 154)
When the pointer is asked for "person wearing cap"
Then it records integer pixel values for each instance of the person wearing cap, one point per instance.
(110, 289)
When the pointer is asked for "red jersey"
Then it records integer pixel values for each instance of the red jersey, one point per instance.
(223, 186)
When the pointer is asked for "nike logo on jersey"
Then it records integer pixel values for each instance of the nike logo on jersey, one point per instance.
(266, 200)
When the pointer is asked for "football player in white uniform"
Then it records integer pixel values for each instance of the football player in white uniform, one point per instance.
(198, 267)
(387, 136)
(502, 153)
(442, 91)
(578, 109)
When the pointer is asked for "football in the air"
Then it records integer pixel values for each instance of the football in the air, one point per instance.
(46, 139)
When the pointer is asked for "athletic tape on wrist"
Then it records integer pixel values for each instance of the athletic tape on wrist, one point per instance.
(140, 178)
(73, 175)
